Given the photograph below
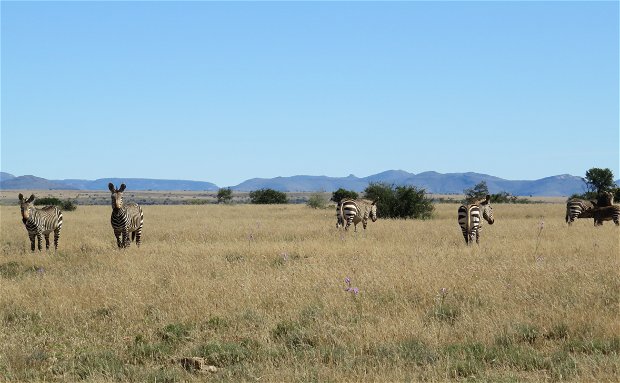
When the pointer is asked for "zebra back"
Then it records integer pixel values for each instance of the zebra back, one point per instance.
(606, 213)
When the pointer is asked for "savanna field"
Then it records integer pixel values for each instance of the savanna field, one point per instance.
(260, 293)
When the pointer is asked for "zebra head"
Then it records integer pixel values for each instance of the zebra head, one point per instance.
(26, 206)
(117, 195)
(373, 211)
(487, 210)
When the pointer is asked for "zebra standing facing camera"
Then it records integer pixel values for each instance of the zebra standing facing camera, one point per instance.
(40, 222)
(126, 218)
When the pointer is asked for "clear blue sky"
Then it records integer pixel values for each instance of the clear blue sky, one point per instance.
(223, 92)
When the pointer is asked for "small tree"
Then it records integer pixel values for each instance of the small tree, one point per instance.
(267, 196)
(66, 205)
(400, 201)
(316, 201)
(598, 180)
(478, 192)
(341, 194)
(224, 195)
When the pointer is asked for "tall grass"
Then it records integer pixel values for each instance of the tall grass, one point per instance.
(260, 292)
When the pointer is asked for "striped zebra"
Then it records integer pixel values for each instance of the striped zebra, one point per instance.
(40, 222)
(581, 208)
(339, 218)
(126, 218)
(352, 211)
(606, 213)
(469, 219)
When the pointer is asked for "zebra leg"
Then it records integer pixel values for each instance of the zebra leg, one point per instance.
(133, 236)
(31, 241)
(56, 238)
(477, 236)
(464, 232)
(472, 236)
(47, 242)
(365, 223)
(138, 236)
(39, 240)
(117, 234)
(126, 240)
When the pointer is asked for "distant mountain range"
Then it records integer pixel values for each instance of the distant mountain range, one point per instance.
(433, 182)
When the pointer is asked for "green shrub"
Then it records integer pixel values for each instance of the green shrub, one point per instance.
(341, 194)
(267, 196)
(478, 192)
(224, 195)
(316, 201)
(400, 201)
(66, 205)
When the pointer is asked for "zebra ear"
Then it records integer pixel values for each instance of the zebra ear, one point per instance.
(375, 201)
(111, 187)
(488, 199)
(121, 188)
(30, 199)
(21, 197)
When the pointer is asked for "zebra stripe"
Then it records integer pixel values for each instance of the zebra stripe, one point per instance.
(469, 219)
(580, 208)
(126, 218)
(356, 211)
(41, 222)
(339, 218)
(606, 213)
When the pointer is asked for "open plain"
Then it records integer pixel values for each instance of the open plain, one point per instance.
(259, 292)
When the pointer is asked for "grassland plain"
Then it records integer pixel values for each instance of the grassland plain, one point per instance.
(259, 292)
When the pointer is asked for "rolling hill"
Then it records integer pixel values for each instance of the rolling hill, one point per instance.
(433, 182)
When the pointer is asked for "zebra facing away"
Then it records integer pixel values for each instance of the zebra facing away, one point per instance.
(126, 218)
(469, 219)
(581, 208)
(356, 211)
(40, 222)
(339, 218)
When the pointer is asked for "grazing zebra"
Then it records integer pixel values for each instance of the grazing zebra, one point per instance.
(469, 219)
(356, 210)
(580, 208)
(126, 218)
(606, 213)
(40, 222)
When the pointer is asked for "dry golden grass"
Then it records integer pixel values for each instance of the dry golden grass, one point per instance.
(259, 292)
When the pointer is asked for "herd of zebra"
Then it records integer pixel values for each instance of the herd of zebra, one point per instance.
(128, 218)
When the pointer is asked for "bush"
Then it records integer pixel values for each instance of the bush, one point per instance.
(224, 195)
(267, 196)
(48, 201)
(66, 205)
(400, 201)
(505, 197)
(316, 201)
(341, 194)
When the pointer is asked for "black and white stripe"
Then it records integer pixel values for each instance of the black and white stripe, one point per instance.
(470, 222)
(40, 222)
(126, 218)
(581, 208)
(354, 211)
(606, 213)
(339, 218)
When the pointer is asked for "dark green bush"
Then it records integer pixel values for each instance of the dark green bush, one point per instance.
(66, 205)
(341, 194)
(400, 201)
(478, 192)
(316, 201)
(224, 195)
(267, 196)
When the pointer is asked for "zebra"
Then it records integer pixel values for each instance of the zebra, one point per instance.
(581, 208)
(356, 210)
(469, 219)
(126, 218)
(339, 218)
(606, 213)
(40, 222)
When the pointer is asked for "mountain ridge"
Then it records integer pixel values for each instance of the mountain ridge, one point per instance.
(433, 182)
